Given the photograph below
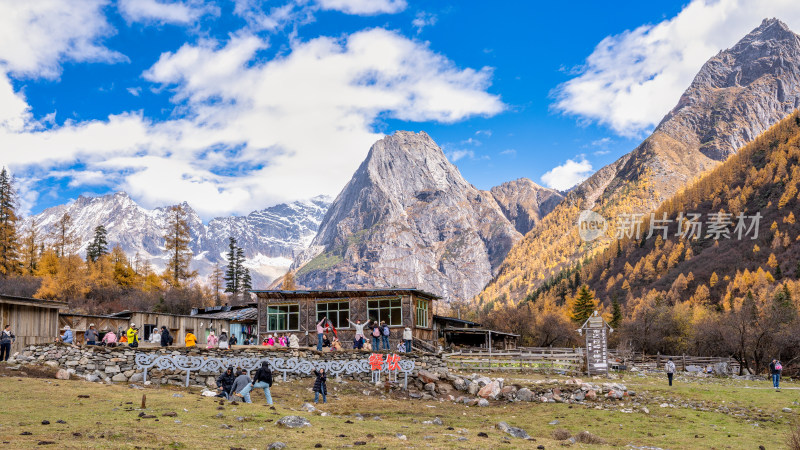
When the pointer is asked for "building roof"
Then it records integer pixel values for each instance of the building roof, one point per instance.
(241, 314)
(456, 320)
(29, 301)
(476, 331)
(346, 293)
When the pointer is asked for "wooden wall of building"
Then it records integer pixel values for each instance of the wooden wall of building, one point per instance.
(358, 311)
(30, 324)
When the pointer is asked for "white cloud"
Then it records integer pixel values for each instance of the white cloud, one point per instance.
(568, 174)
(422, 20)
(364, 7)
(602, 142)
(260, 17)
(36, 36)
(155, 11)
(455, 155)
(509, 152)
(258, 133)
(633, 79)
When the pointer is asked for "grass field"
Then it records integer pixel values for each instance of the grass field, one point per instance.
(704, 414)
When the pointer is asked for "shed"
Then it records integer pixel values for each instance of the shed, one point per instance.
(300, 311)
(32, 320)
(177, 324)
(79, 323)
(480, 337)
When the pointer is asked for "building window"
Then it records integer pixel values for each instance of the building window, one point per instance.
(389, 311)
(337, 312)
(283, 317)
(422, 313)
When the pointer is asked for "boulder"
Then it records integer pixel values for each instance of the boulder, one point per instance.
(443, 388)
(62, 374)
(460, 384)
(513, 431)
(119, 378)
(491, 390)
(525, 395)
(430, 387)
(293, 422)
(427, 377)
(136, 377)
(473, 389)
(276, 446)
(483, 402)
(591, 395)
(51, 364)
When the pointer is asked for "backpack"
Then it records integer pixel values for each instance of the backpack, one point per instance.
(376, 332)
(778, 366)
(386, 330)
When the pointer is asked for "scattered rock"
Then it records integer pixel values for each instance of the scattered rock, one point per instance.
(554, 422)
(491, 390)
(83, 396)
(276, 446)
(60, 421)
(175, 395)
(360, 443)
(308, 407)
(483, 435)
(294, 422)
(45, 443)
(525, 395)
(437, 421)
(62, 374)
(25, 433)
(170, 414)
(787, 410)
(483, 402)
(513, 431)
(402, 437)
(427, 377)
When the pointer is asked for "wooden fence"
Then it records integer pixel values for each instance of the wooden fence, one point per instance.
(571, 360)
(563, 363)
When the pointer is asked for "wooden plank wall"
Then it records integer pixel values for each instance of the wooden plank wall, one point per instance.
(30, 324)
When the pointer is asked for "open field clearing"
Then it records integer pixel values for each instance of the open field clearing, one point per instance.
(705, 413)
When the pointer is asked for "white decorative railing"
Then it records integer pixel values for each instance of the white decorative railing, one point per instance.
(301, 366)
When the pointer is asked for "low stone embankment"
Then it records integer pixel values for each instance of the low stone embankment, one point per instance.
(478, 390)
(118, 365)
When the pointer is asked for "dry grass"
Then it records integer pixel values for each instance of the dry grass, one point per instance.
(584, 437)
(793, 437)
(110, 418)
(561, 434)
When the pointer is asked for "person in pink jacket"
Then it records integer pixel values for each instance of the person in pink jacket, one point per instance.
(110, 339)
(211, 340)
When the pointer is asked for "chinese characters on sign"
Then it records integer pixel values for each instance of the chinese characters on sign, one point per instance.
(377, 364)
(717, 225)
(596, 330)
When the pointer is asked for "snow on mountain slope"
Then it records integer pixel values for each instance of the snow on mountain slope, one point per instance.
(270, 237)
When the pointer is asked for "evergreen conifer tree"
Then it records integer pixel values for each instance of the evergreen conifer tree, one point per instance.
(99, 245)
(177, 236)
(9, 244)
(231, 273)
(584, 305)
(616, 313)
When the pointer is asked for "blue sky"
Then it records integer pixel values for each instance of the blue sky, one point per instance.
(238, 105)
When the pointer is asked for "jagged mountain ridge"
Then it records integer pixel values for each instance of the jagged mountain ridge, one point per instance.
(524, 202)
(737, 94)
(270, 237)
(408, 218)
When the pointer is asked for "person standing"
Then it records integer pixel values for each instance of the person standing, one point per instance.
(320, 332)
(133, 336)
(407, 336)
(376, 336)
(358, 339)
(6, 339)
(775, 369)
(211, 340)
(263, 380)
(166, 338)
(385, 332)
(190, 339)
(233, 341)
(320, 386)
(670, 370)
(91, 335)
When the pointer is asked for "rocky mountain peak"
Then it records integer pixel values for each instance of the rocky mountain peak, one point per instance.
(408, 218)
(524, 202)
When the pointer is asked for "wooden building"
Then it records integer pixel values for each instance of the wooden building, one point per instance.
(299, 312)
(178, 325)
(243, 319)
(79, 323)
(33, 321)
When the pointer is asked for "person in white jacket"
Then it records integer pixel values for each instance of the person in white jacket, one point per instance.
(358, 340)
(407, 339)
(293, 341)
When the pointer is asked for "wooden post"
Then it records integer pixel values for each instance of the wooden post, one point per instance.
(684, 362)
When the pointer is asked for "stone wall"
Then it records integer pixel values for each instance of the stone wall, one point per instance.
(117, 364)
